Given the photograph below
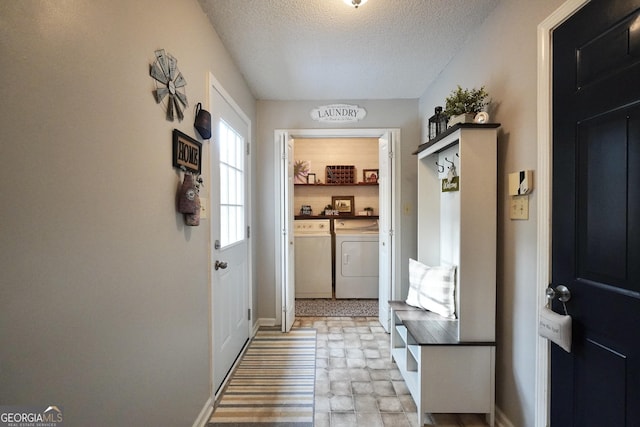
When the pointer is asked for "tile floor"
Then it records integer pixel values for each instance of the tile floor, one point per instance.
(357, 384)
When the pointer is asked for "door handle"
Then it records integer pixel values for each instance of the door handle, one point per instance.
(561, 292)
(220, 265)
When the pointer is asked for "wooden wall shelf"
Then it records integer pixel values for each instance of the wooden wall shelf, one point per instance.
(335, 217)
(338, 185)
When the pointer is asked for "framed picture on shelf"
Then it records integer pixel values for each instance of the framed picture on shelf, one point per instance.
(370, 175)
(311, 178)
(343, 204)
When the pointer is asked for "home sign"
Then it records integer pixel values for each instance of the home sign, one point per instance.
(338, 113)
(187, 152)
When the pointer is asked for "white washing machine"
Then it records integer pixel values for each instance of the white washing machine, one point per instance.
(313, 258)
(356, 258)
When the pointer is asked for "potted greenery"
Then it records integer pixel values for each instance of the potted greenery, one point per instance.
(300, 171)
(462, 105)
(369, 211)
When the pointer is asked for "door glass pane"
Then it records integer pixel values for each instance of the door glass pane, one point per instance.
(232, 210)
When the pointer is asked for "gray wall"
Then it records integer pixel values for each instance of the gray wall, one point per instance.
(402, 113)
(502, 56)
(104, 299)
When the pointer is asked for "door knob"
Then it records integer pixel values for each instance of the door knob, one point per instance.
(220, 265)
(561, 291)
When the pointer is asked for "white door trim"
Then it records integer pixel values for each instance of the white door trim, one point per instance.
(545, 150)
(395, 195)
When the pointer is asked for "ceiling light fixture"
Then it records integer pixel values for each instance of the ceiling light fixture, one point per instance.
(355, 3)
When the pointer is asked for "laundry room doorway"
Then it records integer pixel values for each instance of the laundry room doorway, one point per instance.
(385, 179)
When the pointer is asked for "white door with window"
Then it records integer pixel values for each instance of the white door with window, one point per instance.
(230, 260)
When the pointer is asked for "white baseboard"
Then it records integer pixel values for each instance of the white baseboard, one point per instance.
(205, 414)
(265, 322)
(501, 419)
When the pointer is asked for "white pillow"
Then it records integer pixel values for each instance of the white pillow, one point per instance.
(437, 291)
(417, 271)
(432, 288)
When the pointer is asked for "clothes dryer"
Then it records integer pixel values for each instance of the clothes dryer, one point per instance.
(356, 258)
(313, 258)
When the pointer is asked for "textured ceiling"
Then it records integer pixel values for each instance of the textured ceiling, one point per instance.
(323, 49)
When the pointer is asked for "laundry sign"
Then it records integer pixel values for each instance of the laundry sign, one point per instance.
(338, 113)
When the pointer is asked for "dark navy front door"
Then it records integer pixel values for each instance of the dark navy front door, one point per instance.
(596, 214)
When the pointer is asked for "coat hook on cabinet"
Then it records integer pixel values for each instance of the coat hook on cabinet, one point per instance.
(440, 168)
(452, 169)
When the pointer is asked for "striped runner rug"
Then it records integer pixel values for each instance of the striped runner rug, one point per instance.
(273, 384)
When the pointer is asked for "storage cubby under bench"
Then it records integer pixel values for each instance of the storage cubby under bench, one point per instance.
(443, 374)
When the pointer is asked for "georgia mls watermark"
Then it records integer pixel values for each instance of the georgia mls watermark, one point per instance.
(31, 416)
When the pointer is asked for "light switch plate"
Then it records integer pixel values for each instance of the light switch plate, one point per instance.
(204, 208)
(519, 207)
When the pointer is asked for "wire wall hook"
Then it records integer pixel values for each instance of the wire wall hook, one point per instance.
(440, 167)
(452, 169)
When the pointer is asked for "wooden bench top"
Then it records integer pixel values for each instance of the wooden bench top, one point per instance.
(428, 328)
